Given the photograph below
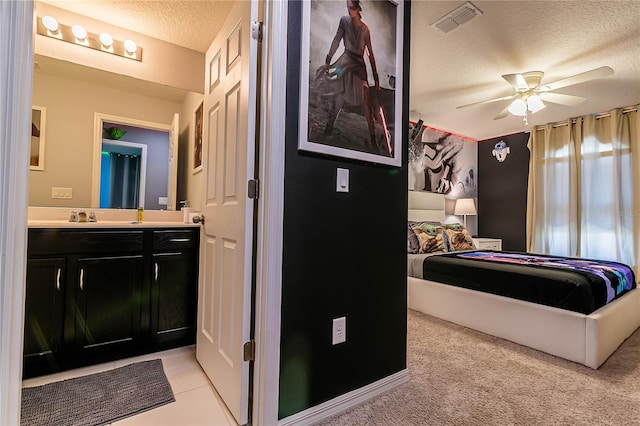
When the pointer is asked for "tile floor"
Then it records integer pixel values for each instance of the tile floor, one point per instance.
(196, 401)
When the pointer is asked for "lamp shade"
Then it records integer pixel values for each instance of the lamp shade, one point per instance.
(518, 107)
(535, 104)
(465, 206)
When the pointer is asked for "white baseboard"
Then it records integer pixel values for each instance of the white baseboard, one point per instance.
(346, 401)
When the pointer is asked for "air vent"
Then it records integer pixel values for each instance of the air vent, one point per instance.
(454, 19)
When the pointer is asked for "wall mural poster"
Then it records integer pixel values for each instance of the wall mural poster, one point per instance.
(444, 163)
(351, 68)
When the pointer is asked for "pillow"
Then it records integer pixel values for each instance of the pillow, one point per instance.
(413, 242)
(458, 237)
(430, 236)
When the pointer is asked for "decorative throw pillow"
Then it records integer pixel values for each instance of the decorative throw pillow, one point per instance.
(458, 237)
(413, 243)
(430, 236)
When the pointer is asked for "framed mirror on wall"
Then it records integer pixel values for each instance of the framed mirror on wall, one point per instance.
(38, 125)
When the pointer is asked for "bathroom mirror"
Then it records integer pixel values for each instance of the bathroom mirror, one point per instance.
(76, 97)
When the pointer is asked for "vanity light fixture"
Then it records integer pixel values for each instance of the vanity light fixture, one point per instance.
(80, 34)
(48, 26)
(106, 40)
(130, 47)
(50, 23)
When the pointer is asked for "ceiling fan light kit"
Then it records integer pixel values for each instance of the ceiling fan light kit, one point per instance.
(529, 95)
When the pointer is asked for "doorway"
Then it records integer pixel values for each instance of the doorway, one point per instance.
(123, 175)
(158, 163)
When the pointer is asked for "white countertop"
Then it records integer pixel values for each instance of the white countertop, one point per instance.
(58, 217)
(107, 224)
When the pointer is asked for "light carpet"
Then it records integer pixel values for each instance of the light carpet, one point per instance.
(460, 376)
(99, 398)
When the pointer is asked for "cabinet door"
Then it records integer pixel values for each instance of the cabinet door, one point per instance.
(108, 303)
(173, 298)
(44, 315)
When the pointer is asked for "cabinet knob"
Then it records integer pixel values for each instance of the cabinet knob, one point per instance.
(198, 219)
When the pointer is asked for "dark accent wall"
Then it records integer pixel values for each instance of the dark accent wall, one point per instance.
(502, 192)
(343, 255)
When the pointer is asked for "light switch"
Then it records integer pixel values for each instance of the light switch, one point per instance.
(58, 192)
(342, 180)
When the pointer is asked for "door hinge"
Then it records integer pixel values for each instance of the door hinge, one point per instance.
(256, 30)
(253, 189)
(249, 350)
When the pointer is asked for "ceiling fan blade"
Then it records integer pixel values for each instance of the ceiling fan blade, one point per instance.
(559, 98)
(517, 81)
(503, 114)
(578, 78)
(487, 102)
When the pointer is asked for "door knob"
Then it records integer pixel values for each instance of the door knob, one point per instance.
(198, 219)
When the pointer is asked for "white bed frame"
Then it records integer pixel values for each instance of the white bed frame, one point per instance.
(585, 339)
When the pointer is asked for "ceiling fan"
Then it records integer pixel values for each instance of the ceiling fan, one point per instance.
(529, 94)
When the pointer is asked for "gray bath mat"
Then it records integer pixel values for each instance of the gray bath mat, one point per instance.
(99, 398)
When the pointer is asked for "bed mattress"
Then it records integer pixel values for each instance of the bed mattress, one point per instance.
(579, 285)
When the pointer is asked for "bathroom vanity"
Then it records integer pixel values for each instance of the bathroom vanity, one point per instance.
(98, 292)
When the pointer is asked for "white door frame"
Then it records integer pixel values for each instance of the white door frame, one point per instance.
(270, 215)
(16, 42)
(98, 123)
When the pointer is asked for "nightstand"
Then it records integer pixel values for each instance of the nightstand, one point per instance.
(488, 243)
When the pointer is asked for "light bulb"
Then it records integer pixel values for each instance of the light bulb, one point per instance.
(79, 32)
(535, 104)
(130, 46)
(50, 23)
(518, 107)
(106, 40)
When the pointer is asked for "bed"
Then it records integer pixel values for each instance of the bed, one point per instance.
(588, 339)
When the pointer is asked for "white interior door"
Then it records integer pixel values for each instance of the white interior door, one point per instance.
(172, 190)
(224, 305)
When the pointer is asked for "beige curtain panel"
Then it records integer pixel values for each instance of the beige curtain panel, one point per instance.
(584, 188)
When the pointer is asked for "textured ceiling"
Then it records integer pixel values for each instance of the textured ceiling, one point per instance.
(192, 24)
(560, 38)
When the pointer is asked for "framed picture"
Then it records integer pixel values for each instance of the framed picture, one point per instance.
(197, 145)
(351, 100)
(38, 124)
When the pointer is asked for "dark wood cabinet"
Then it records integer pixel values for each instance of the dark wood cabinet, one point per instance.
(44, 311)
(107, 294)
(174, 286)
(109, 303)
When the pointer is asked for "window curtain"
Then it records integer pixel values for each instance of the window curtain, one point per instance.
(125, 181)
(584, 188)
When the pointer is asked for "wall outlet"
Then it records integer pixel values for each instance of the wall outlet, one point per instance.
(57, 192)
(339, 334)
